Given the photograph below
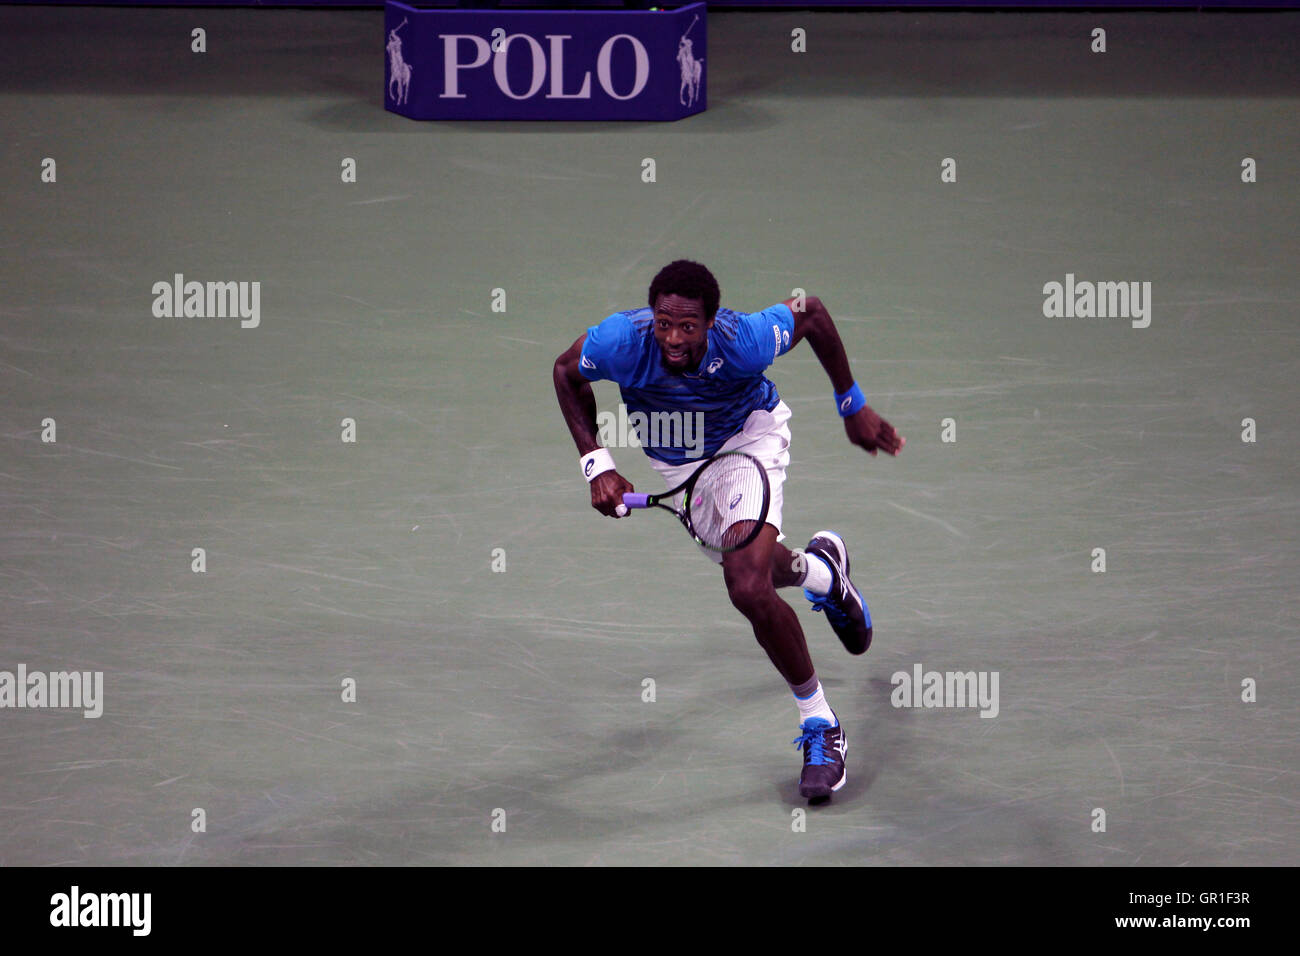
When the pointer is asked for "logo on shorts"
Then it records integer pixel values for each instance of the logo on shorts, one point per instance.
(714, 366)
(735, 501)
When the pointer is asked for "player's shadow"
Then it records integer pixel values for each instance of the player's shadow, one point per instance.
(555, 822)
(552, 822)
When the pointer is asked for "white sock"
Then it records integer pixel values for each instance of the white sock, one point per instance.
(817, 577)
(815, 705)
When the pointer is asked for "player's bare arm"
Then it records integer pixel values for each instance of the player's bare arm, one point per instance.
(578, 405)
(865, 428)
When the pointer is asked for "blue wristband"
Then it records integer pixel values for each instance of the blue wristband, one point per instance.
(850, 401)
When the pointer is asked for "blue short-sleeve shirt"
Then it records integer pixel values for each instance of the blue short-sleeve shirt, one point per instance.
(719, 395)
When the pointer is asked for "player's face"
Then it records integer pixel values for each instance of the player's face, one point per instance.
(681, 330)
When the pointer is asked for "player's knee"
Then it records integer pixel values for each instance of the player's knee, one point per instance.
(750, 593)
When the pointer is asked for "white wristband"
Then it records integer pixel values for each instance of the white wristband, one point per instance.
(596, 463)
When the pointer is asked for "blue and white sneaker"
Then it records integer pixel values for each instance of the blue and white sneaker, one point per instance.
(824, 748)
(846, 611)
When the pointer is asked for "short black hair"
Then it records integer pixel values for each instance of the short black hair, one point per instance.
(690, 280)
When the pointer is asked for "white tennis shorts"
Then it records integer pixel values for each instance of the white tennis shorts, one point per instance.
(766, 436)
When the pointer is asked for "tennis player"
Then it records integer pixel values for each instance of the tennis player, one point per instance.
(684, 354)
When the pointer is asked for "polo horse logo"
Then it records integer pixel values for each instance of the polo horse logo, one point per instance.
(692, 69)
(399, 71)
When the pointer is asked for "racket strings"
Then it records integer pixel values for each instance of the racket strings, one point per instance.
(728, 500)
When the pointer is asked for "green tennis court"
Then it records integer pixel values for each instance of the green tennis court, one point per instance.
(515, 696)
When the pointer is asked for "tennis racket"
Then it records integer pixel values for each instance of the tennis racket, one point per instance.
(724, 501)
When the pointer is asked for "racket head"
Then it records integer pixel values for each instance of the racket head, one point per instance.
(727, 501)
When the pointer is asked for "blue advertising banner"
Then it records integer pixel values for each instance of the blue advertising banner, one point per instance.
(544, 65)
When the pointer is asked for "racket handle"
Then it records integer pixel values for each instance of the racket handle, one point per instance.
(634, 500)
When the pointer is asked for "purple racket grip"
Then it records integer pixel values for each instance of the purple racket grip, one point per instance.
(634, 500)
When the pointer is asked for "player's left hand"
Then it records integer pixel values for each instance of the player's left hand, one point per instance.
(869, 431)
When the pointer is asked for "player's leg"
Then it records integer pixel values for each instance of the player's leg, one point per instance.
(822, 570)
(749, 585)
(753, 574)
(749, 579)
(789, 568)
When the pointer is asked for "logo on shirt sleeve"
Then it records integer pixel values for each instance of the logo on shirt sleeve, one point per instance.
(776, 333)
(587, 363)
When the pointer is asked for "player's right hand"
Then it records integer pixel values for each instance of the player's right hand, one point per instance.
(607, 492)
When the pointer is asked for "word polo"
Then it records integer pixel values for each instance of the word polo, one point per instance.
(545, 64)
(542, 67)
